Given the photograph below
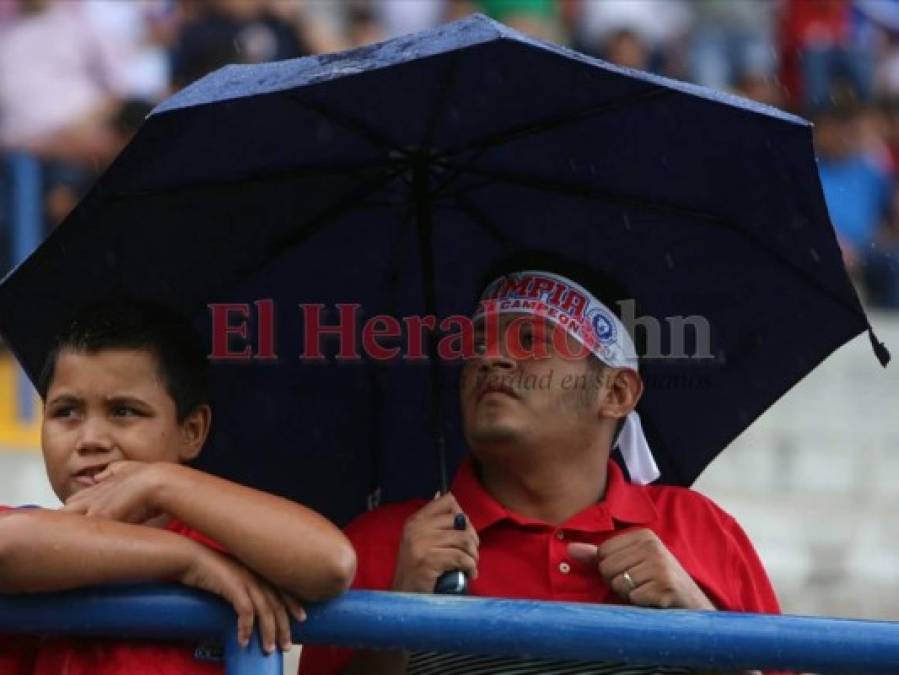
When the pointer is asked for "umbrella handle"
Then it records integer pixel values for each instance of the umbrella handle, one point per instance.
(454, 582)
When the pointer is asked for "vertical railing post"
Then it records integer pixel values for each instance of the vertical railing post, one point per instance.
(27, 226)
(250, 660)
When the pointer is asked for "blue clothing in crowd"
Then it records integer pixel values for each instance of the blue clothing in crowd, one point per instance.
(857, 194)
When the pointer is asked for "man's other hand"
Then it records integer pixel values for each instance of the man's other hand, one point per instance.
(640, 569)
(430, 546)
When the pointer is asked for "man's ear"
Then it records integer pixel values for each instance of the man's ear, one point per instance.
(194, 430)
(624, 391)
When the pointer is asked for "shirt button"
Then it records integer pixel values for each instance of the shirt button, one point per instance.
(564, 568)
(560, 535)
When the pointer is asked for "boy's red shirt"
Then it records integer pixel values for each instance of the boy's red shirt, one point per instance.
(27, 655)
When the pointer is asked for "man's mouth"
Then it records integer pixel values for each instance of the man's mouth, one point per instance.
(88, 475)
(496, 388)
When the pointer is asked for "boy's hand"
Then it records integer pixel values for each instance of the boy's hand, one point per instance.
(123, 491)
(251, 598)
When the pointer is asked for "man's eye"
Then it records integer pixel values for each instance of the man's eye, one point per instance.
(63, 412)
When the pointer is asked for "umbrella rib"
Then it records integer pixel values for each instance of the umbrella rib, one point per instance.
(478, 217)
(483, 144)
(442, 190)
(351, 124)
(261, 177)
(341, 204)
(457, 171)
(447, 83)
(382, 203)
(576, 190)
(399, 243)
(376, 377)
(588, 192)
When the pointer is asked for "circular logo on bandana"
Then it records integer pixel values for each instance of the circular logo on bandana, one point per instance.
(603, 325)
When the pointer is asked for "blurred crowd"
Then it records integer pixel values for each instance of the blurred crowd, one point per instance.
(77, 77)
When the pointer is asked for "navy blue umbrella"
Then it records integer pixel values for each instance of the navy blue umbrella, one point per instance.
(393, 176)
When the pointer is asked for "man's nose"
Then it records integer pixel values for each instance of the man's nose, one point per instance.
(94, 437)
(495, 358)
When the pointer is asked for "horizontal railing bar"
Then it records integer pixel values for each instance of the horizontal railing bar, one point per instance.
(487, 626)
(138, 612)
(585, 632)
(142, 611)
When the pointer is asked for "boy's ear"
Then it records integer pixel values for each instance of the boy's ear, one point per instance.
(624, 392)
(194, 431)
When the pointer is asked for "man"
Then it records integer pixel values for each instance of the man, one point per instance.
(550, 392)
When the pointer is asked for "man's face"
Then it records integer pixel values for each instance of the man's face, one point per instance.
(102, 407)
(526, 390)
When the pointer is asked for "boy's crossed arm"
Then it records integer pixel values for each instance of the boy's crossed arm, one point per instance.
(46, 551)
(288, 544)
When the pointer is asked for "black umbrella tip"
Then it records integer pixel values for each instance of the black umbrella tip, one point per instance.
(880, 349)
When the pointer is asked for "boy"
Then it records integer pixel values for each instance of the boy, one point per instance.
(125, 407)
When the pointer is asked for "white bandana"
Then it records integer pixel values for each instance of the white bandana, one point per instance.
(593, 325)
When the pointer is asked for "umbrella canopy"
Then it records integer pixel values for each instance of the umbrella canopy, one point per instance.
(393, 176)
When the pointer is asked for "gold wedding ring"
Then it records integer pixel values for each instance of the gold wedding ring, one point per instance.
(629, 580)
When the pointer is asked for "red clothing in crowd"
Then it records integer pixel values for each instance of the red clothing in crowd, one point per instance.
(523, 558)
(26, 655)
(809, 24)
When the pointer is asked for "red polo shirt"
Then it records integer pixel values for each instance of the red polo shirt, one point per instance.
(524, 558)
(26, 655)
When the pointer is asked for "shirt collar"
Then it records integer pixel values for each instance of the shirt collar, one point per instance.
(627, 502)
(623, 502)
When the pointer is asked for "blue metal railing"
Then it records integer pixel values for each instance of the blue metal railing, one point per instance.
(722, 640)
(134, 613)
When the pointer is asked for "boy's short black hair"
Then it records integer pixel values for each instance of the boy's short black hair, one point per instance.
(607, 290)
(144, 325)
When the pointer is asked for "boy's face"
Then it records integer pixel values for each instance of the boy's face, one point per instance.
(106, 406)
